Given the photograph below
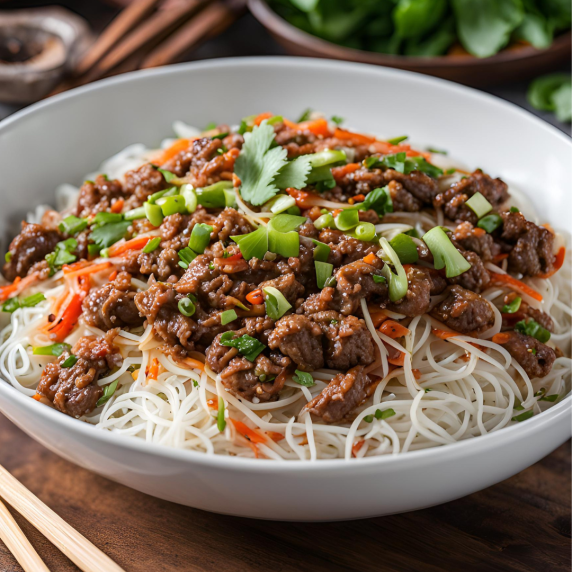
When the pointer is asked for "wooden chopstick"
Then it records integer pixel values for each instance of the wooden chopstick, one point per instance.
(119, 27)
(17, 543)
(75, 546)
(214, 19)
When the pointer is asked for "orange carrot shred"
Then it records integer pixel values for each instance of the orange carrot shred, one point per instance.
(250, 434)
(262, 116)
(558, 262)
(399, 360)
(255, 297)
(356, 447)
(88, 269)
(137, 243)
(153, 371)
(393, 329)
(517, 285)
(501, 338)
(370, 258)
(444, 334)
(113, 276)
(275, 436)
(117, 206)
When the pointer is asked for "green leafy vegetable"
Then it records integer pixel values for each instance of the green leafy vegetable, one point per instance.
(167, 174)
(553, 93)
(347, 219)
(248, 346)
(444, 252)
(490, 222)
(379, 279)
(253, 244)
(275, 302)
(108, 392)
(258, 164)
(72, 225)
(294, 174)
(105, 236)
(220, 421)
(228, 316)
(401, 163)
(69, 361)
(405, 248)
(533, 329)
(13, 304)
(61, 255)
(200, 237)
(54, 350)
(414, 18)
(512, 307)
(479, 205)
(303, 378)
(305, 115)
(152, 245)
(337, 119)
(397, 140)
(378, 200)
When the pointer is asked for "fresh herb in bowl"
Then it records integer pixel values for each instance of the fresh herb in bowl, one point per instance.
(553, 92)
(429, 27)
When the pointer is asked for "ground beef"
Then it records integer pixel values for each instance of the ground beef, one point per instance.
(530, 246)
(287, 284)
(476, 240)
(296, 142)
(477, 277)
(97, 196)
(230, 223)
(343, 248)
(142, 182)
(521, 347)
(163, 264)
(355, 281)
(112, 305)
(418, 298)
(464, 311)
(176, 229)
(300, 339)
(323, 301)
(159, 305)
(341, 396)
(403, 201)
(28, 248)
(423, 187)
(453, 200)
(309, 230)
(303, 267)
(74, 390)
(368, 216)
(524, 312)
(347, 341)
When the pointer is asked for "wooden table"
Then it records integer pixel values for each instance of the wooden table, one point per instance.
(522, 524)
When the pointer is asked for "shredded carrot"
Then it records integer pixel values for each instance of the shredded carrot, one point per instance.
(262, 116)
(117, 206)
(336, 212)
(358, 198)
(393, 329)
(255, 297)
(137, 243)
(254, 449)
(37, 397)
(479, 231)
(153, 370)
(500, 257)
(75, 266)
(370, 258)
(501, 338)
(317, 127)
(356, 447)
(399, 360)
(303, 199)
(558, 262)
(416, 373)
(275, 436)
(88, 269)
(355, 138)
(289, 123)
(250, 434)
(175, 149)
(212, 403)
(69, 319)
(444, 334)
(377, 317)
(517, 285)
(17, 286)
(340, 172)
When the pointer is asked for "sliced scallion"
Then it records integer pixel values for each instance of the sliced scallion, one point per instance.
(72, 225)
(279, 203)
(213, 196)
(186, 256)
(397, 281)
(54, 350)
(397, 140)
(230, 197)
(227, 317)
(188, 193)
(322, 251)
(479, 205)
(347, 219)
(69, 361)
(363, 231)
(444, 253)
(323, 272)
(152, 245)
(200, 237)
(490, 222)
(275, 303)
(327, 157)
(220, 421)
(173, 205)
(108, 392)
(186, 307)
(135, 214)
(324, 221)
(253, 244)
(512, 306)
(405, 248)
(153, 213)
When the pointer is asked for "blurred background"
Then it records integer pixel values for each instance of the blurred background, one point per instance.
(517, 49)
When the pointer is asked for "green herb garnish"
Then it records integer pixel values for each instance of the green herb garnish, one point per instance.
(533, 329)
(275, 303)
(70, 361)
(248, 346)
(72, 225)
(108, 392)
(54, 350)
(303, 378)
(152, 245)
(13, 304)
(512, 307)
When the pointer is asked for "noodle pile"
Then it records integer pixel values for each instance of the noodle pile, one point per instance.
(447, 390)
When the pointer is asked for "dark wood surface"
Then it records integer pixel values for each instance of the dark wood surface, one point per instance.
(520, 525)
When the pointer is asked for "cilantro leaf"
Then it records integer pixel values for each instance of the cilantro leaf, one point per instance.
(258, 164)
(294, 174)
(105, 236)
(248, 346)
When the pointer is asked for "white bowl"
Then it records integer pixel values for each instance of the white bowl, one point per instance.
(61, 139)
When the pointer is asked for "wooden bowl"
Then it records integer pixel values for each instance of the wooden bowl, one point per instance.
(509, 65)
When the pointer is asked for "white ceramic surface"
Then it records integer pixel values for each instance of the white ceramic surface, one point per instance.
(61, 139)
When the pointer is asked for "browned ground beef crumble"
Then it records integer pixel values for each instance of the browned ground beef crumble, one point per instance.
(324, 328)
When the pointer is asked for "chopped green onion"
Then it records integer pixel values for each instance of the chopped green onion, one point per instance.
(378, 200)
(397, 140)
(220, 135)
(305, 115)
(156, 196)
(363, 231)
(513, 307)
(248, 346)
(135, 214)
(230, 197)
(186, 256)
(134, 367)
(54, 350)
(444, 253)
(397, 282)
(282, 238)
(188, 193)
(322, 251)
(279, 203)
(295, 210)
(275, 303)
(324, 221)
(514, 210)
(227, 317)
(323, 272)
(152, 245)
(8, 256)
(490, 222)
(93, 250)
(13, 304)
(253, 244)
(70, 361)
(405, 248)
(200, 237)
(551, 398)
(173, 205)
(108, 392)
(347, 219)
(438, 151)
(479, 205)
(220, 422)
(275, 119)
(286, 223)
(385, 414)
(451, 171)
(63, 254)
(72, 225)
(186, 307)
(337, 119)
(303, 378)
(379, 279)
(368, 418)
(213, 196)
(103, 218)
(167, 174)
(153, 213)
(533, 329)
(412, 232)
(523, 416)
(327, 157)
(403, 164)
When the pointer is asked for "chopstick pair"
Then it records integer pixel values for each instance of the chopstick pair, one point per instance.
(150, 33)
(75, 546)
